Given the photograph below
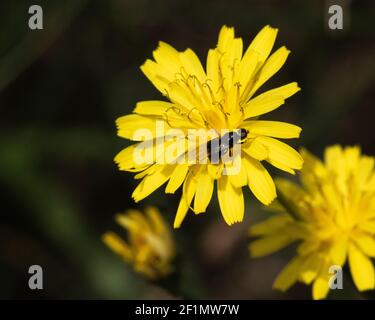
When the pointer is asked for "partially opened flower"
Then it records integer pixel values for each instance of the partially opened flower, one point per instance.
(333, 220)
(150, 247)
(219, 98)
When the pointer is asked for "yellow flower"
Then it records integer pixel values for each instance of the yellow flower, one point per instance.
(150, 248)
(220, 98)
(333, 218)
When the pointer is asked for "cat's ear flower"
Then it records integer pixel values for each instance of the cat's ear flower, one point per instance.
(149, 248)
(331, 213)
(217, 98)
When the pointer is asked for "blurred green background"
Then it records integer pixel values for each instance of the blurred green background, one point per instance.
(61, 89)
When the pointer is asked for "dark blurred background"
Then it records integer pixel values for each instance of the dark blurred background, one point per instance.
(61, 89)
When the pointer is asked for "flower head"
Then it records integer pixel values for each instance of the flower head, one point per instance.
(333, 218)
(218, 99)
(150, 248)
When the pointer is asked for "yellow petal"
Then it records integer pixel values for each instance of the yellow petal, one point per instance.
(190, 186)
(157, 222)
(263, 43)
(270, 225)
(321, 284)
(275, 207)
(361, 268)
(192, 65)
(150, 170)
(133, 221)
(204, 191)
(269, 100)
(320, 288)
(365, 242)
(339, 250)
(289, 275)
(168, 57)
(238, 179)
(292, 198)
(229, 61)
(275, 129)
(135, 215)
(269, 244)
(313, 170)
(281, 153)
(230, 200)
(177, 178)
(246, 72)
(365, 169)
(260, 181)
(126, 160)
(291, 191)
(117, 245)
(237, 50)
(371, 183)
(215, 170)
(226, 37)
(181, 96)
(351, 155)
(139, 128)
(310, 268)
(213, 71)
(309, 246)
(158, 76)
(152, 182)
(270, 67)
(154, 107)
(281, 166)
(256, 150)
(333, 157)
(368, 226)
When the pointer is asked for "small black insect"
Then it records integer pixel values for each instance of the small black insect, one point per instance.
(221, 145)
